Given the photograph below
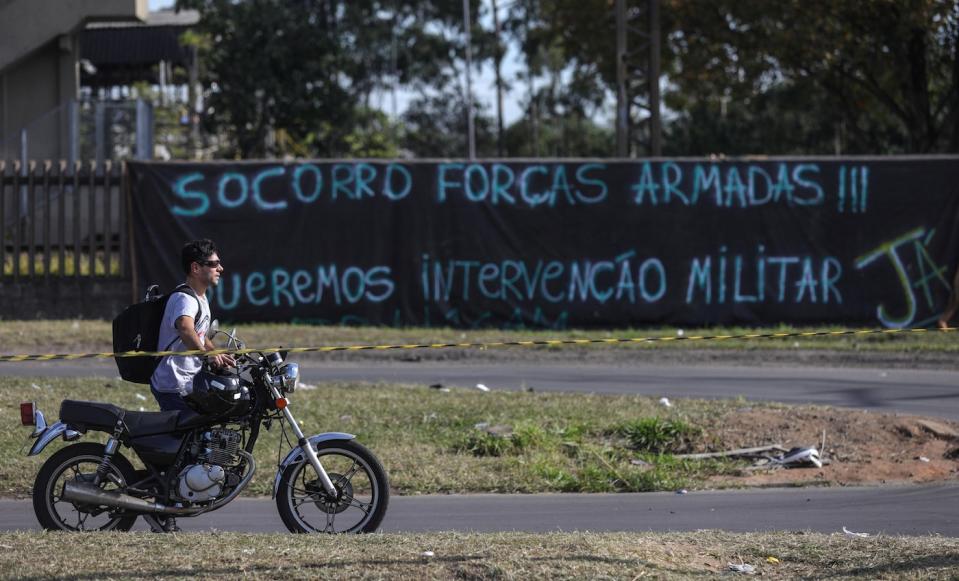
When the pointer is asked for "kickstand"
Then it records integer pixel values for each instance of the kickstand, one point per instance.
(154, 523)
(161, 524)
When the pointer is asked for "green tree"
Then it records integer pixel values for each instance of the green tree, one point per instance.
(297, 76)
(752, 76)
(435, 125)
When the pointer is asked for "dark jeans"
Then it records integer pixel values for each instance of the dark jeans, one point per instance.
(169, 401)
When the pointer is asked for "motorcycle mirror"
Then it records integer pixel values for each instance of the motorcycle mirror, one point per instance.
(214, 326)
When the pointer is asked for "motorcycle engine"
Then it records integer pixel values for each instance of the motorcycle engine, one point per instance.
(201, 482)
(204, 481)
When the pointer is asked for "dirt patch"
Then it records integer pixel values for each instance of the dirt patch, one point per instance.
(861, 447)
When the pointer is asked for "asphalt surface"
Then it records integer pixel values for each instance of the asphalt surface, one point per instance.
(909, 510)
(923, 392)
(895, 510)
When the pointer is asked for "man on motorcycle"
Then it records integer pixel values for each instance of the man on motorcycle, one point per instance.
(186, 320)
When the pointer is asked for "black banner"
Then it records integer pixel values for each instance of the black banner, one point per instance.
(560, 243)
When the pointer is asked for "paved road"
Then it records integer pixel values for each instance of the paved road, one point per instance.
(924, 392)
(890, 510)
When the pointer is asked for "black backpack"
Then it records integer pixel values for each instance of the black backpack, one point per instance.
(137, 328)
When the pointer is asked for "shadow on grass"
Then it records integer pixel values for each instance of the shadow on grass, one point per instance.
(476, 560)
(934, 562)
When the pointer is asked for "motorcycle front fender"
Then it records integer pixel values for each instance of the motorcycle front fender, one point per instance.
(50, 434)
(296, 454)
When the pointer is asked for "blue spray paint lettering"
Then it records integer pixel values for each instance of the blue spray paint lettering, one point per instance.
(929, 272)
(223, 188)
(816, 279)
(258, 194)
(179, 189)
(298, 183)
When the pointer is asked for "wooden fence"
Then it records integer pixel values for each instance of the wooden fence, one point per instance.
(63, 220)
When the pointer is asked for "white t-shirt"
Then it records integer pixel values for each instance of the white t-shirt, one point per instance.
(175, 373)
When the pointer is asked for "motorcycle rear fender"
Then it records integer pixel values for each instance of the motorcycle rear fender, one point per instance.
(52, 433)
(296, 454)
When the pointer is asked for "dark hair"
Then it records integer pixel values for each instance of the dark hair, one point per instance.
(196, 251)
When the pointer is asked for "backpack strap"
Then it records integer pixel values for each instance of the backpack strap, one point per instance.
(188, 290)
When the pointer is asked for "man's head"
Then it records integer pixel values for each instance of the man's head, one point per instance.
(201, 262)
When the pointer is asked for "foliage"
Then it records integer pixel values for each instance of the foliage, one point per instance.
(738, 77)
(658, 436)
(876, 76)
(436, 126)
(792, 77)
(297, 77)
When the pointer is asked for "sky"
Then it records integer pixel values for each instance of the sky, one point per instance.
(484, 87)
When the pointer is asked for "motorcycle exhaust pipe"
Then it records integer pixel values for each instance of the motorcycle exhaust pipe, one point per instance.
(83, 493)
(86, 493)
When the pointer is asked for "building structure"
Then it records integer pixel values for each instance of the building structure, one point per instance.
(39, 70)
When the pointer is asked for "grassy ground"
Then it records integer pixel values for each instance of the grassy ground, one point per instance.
(703, 554)
(429, 441)
(43, 336)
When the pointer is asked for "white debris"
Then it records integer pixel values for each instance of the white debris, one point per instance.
(800, 457)
(481, 387)
(141, 409)
(742, 568)
(35, 386)
(923, 459)
(305, 386)
(664, 401)
(852, 534)
(140, 396)
(428, 554)
(680, 332)
(481, 426)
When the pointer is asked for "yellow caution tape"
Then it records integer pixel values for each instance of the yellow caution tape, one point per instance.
(334, 348)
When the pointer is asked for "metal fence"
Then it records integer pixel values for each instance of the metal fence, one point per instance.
(63, 220)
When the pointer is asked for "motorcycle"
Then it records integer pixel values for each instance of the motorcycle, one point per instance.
(198, 461)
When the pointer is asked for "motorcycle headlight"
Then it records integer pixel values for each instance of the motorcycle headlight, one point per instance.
(291, 373)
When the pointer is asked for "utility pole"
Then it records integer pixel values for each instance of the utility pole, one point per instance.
(498, 60)
(628, 92)
(471, 137)
(396, 77)
(622, 104)
(652, 75)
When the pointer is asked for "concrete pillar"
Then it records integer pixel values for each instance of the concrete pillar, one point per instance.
(144, 130)
(68, 86)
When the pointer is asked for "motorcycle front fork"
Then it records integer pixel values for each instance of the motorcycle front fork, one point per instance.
(310, 454)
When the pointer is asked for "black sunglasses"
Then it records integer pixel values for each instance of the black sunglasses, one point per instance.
(210, 263)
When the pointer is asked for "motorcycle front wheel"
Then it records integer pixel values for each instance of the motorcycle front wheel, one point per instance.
(73, 463)
(362, 492)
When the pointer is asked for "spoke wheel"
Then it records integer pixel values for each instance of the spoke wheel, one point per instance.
(362, 492)
(79, 462)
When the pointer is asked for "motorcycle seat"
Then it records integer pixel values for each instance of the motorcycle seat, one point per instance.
(94, 415)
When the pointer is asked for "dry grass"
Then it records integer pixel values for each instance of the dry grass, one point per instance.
(427, 439)
(699, 555)
(95, 336)
(431, 441)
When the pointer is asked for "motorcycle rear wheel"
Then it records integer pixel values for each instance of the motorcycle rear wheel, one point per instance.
(363, 492)
(73, 462)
